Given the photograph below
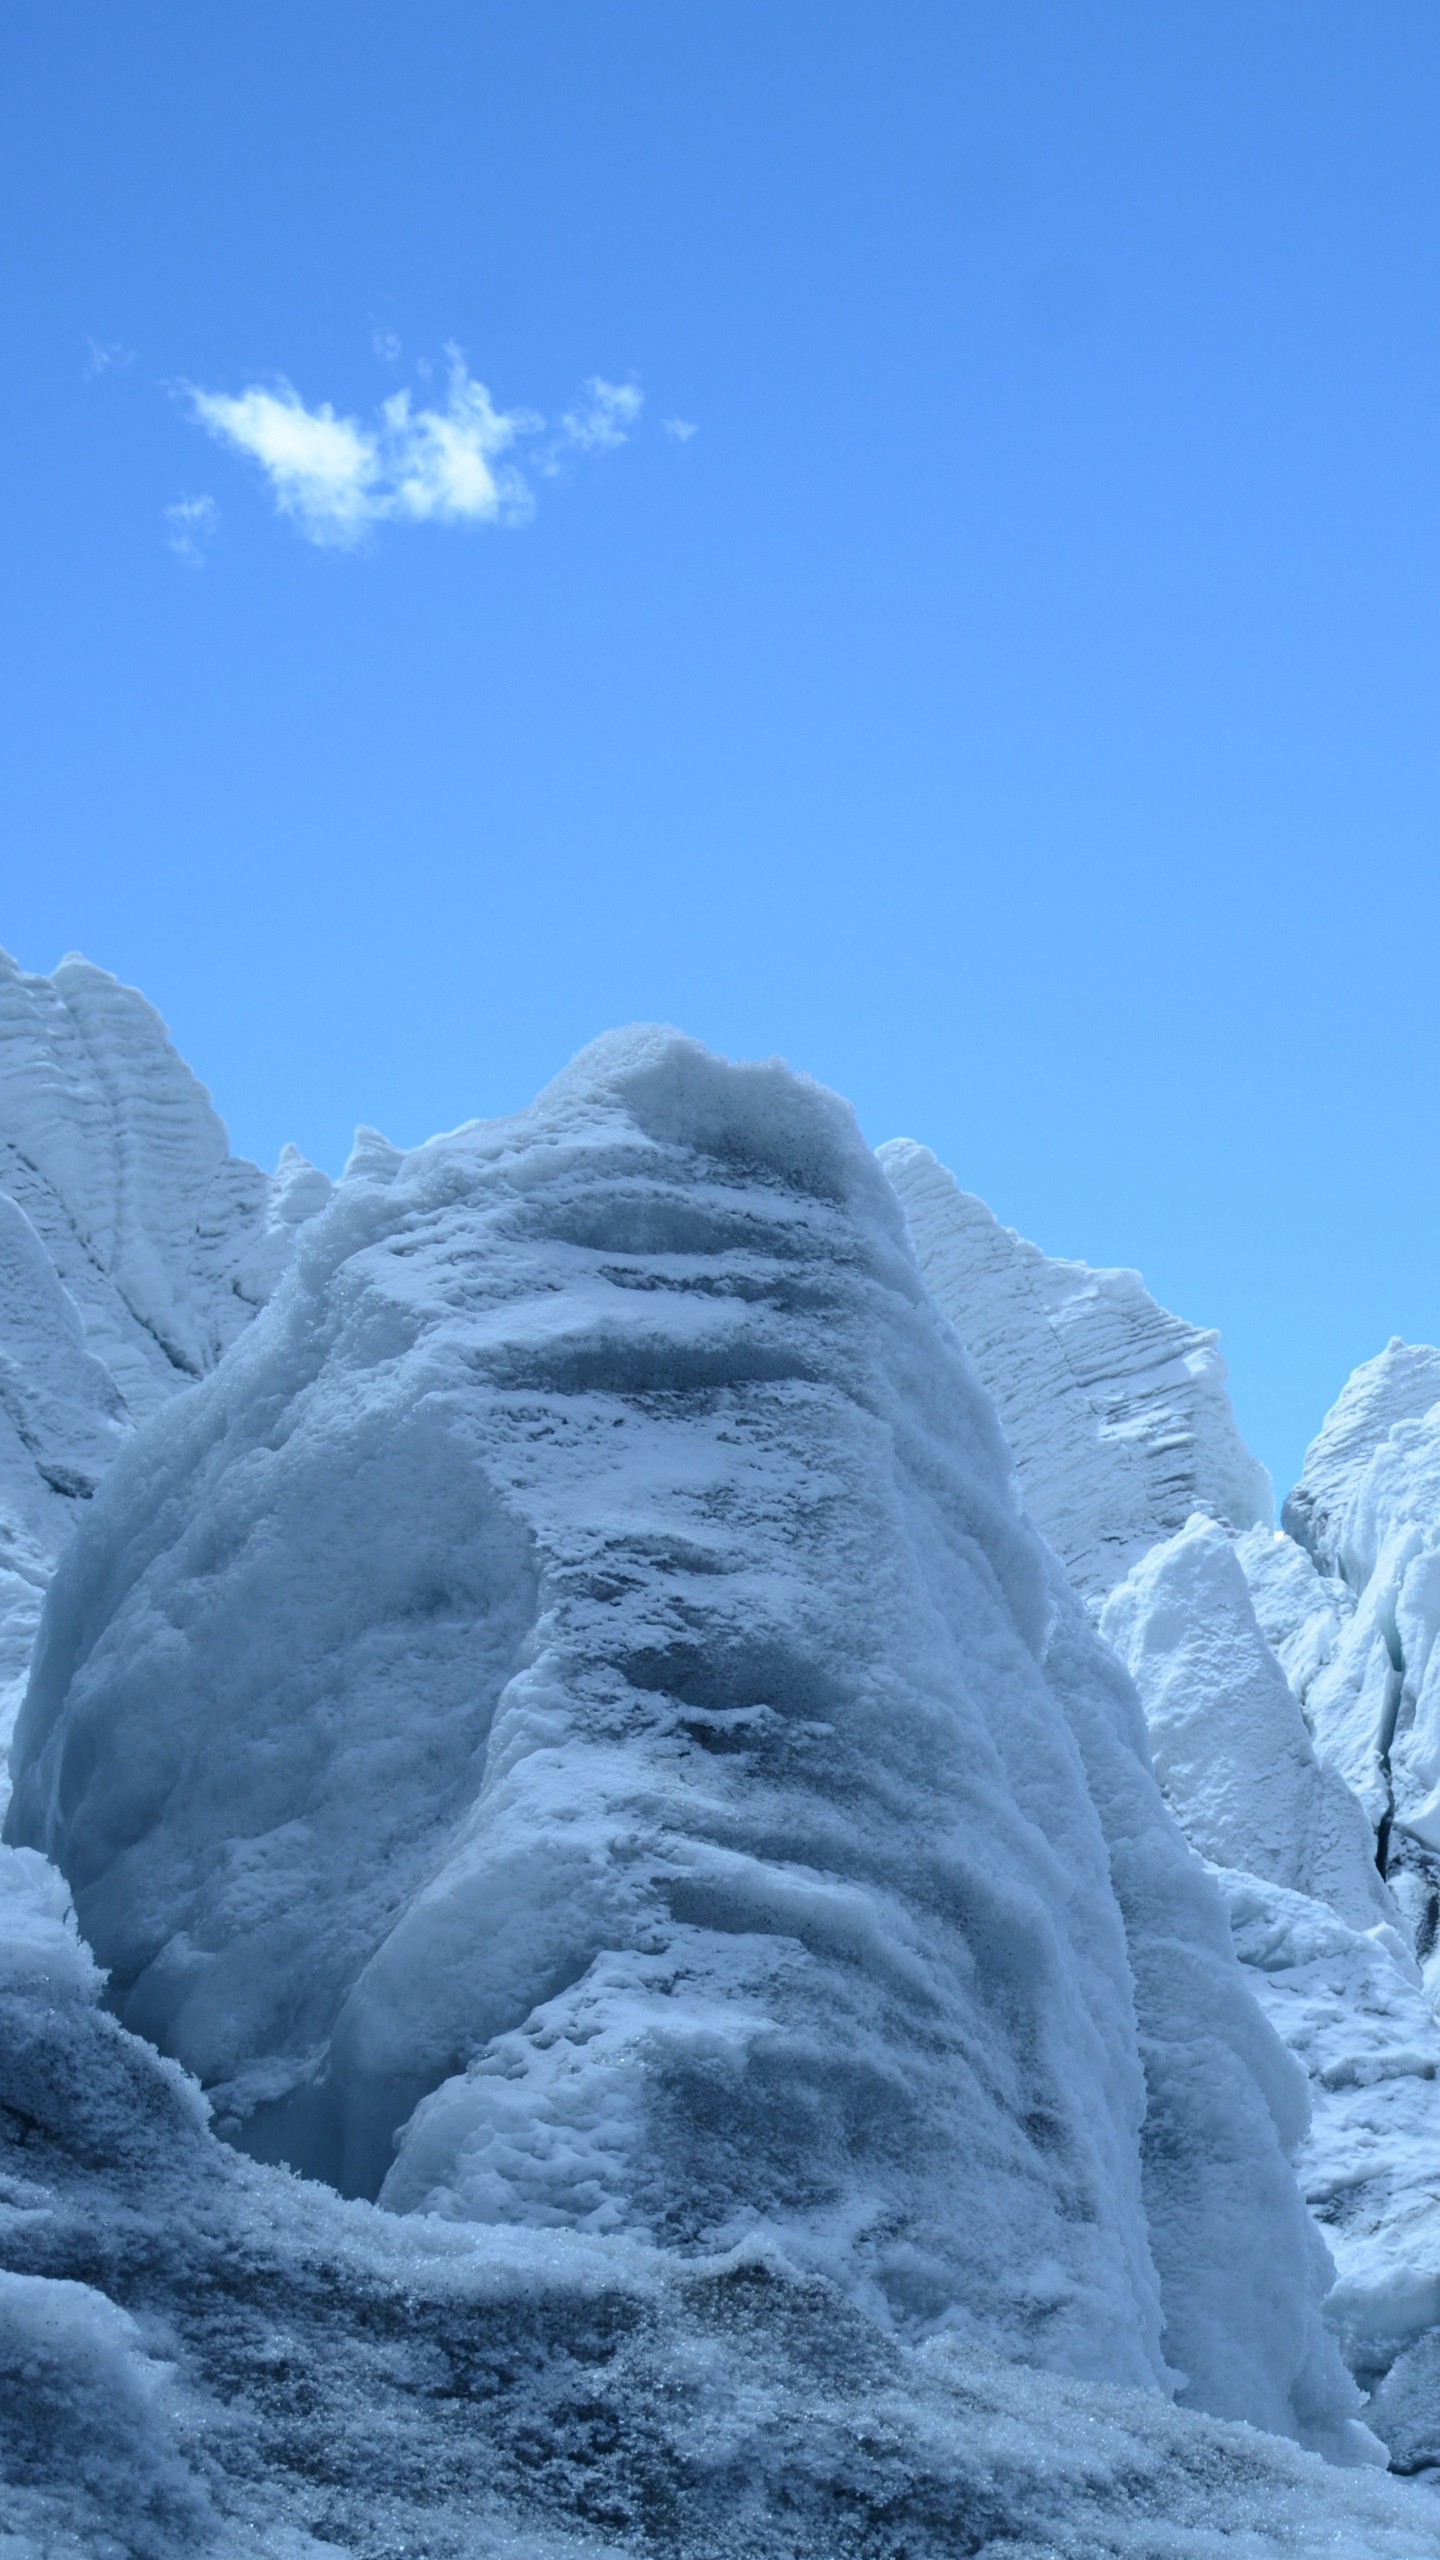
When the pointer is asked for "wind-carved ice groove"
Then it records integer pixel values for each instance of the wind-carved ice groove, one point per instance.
(133, 1249)
(1115, 1410)
(375, 1717)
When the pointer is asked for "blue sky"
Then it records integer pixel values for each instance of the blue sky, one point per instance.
(1015, 702)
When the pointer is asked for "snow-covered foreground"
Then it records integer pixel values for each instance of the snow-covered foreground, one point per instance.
(203, 2355)
(566, 1730)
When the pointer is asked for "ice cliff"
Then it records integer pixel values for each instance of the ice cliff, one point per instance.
(134, 1248)
(582, 1639)
(1293, 1720)
(1115, 1411)
(568, 1733)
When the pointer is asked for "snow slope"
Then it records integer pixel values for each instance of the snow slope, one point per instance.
(133, 1249)
(574, 1697)
(1116, 1411)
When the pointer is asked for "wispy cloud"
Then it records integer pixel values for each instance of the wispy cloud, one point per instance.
(190, 528)
(682, 429)
(449, 462)
(105, 355)
(611, 409)
(387, 346)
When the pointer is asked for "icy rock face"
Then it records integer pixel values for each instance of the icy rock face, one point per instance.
(571, 1692)
(133, 1249)
(1313, 1922)
(1116, 1411)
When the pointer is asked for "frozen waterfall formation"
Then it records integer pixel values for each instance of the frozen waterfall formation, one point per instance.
(569, 1731)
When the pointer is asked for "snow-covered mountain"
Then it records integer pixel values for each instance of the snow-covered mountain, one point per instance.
(568, 1732)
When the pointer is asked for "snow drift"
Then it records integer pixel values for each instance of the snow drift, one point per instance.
(569, 1728)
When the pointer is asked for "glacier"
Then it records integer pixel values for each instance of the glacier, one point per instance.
(134, 1248)
(597, 1952)
(1283, 1677)
(1114, 1410)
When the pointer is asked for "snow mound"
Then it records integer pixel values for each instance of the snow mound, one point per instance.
(568, 1728)
(1116, 1412)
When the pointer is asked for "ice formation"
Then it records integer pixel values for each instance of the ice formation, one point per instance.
(202, 2357)
(1286, 1679)
(133, 1249)
(1115, 1411)
(566, 1727)
(583, 1637)
(1231, 1747)
(1327, 1948)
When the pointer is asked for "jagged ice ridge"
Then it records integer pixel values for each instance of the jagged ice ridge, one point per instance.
(566, 1728)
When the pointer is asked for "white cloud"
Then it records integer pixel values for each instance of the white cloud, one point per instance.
(103, 355)
(449, 462)
(610, 411)
(323, 470)
(191, 527)
(387, 346)
(444, 464)
(682, 429)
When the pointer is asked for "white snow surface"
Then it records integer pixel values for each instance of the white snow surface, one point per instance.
(575, 1694)
(1368, 1509)
(1116, 1411)
(1351, 2007)
(1319, 1932)
(202, 2357)
(1300, 1612)
(164, 1240)
(1332, 1511)
(1231, 1748)
(1295, 1726)
(133, 1249)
